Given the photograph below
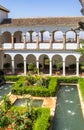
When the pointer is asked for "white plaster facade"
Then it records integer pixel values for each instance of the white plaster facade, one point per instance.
(35, 43)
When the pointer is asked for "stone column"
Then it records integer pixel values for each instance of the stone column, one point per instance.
(42, 37)
(24, 41)
(50, 41)
(0, 43)
(37, 41)
(12, 40)
(53, 37)
(64, 41)
(31, 37)
(78, 44)
(25, 67)
(37, 65)
(77, 68)
(13, 67)
(63, 67)
(50, 68)
(1, 60)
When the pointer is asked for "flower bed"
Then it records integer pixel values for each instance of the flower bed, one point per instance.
(18, 119)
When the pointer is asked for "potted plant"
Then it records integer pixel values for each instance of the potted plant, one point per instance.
(30, 67)
(20, 65)
(82, 68)
(58, 66)
(7, 65)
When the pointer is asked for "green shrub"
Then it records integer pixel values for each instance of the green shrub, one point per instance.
(68, 79)
(7, 65)
(12, 78)
(42, 122)
(19, 89)
(52, 86)
(81, 87)
(7, 102)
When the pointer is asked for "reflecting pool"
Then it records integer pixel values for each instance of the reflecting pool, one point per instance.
(25, 101)
(4, 89)
(68, 114)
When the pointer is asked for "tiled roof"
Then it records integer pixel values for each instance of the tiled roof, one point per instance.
(43, 21)
(4, 9)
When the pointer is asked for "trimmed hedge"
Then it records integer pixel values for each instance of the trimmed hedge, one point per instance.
(81, 87)
(53, 85)
(42, 122)
(68, 79)
(42, 91)
(12, 78)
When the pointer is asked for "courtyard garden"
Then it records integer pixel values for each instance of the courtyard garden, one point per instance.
(28, 117)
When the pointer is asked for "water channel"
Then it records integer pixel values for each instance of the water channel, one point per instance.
(4, 89)
(68, 114)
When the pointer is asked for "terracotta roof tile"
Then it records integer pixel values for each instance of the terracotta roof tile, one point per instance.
(42, 21)
(4, 9)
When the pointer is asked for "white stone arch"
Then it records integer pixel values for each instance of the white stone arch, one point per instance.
(71, 36)
(81, 35)
(81, 62)
(6, 37)
(27, 36)
(34, 36)
(18, 58)
(31, 58)
(7, 59)
(44, 63)
(7, 64)
(58, 36)
(70, 64)
(18, 37)
(57, 59)
(46, 36)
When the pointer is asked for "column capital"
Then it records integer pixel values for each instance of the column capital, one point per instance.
(50, 33)
(77, 34)
(12, 34)
(37, 34)
(37, 60)
(64, 34)
(24, 34)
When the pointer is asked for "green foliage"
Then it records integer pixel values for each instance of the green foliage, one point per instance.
(12, 78)
(81, 87)
(30, 79)
(36, 90)
(35, 70)
(7, 65)
(52, 86)
(82, 66)
(57, 64)
(30, 66)
(81, 50)
(4, 121)
(7, 102)
(20, 65)
(68, 79)
(42, 122)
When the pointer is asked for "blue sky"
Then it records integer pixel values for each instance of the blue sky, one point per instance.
(42, 8)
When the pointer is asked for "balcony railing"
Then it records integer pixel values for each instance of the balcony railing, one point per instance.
(41, 46)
